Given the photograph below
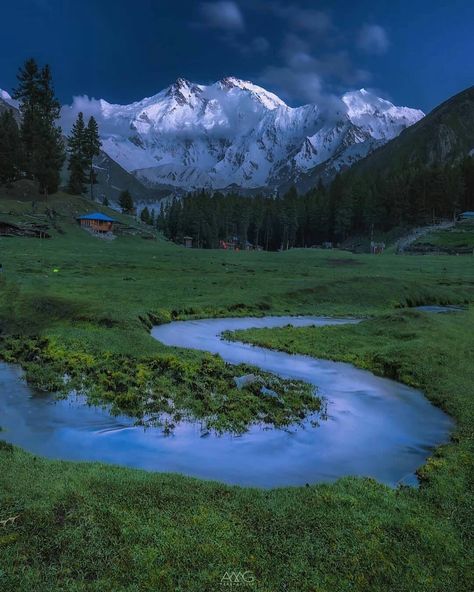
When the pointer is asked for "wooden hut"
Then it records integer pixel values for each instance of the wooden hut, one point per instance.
(97, 222)
(188, 242)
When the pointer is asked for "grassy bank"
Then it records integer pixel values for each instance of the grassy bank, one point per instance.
(90, 527)
(459, 239)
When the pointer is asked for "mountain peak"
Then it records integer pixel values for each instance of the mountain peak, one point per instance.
(4, 95)
(181, 83)
(183, 91)
(236, 132)
(363, 101)
(266, 98)
(379, 117)
(6, 98)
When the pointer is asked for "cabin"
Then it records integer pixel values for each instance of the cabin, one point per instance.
(467, 216)
(188, 242)
(97, 222)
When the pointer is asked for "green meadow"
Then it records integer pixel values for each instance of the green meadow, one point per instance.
(79, 305)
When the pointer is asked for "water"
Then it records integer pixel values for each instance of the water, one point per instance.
(437, 308)
(375, 427)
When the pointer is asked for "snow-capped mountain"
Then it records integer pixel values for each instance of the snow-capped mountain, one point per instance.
(9, 104)
(236, 133)
(6, 98)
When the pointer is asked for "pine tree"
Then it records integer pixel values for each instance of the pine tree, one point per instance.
(10, 148)
(126, 202)
(145, 215)
(28, 95)
(41, 137)
(105, 201)
(77, 158)
(92, 145)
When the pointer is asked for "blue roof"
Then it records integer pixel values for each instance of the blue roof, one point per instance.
(470, 214)
(96, 216)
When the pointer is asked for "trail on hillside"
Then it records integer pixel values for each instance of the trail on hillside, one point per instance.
(406, 241)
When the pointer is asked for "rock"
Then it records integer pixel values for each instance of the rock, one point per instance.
(245, 380)
(269, 392)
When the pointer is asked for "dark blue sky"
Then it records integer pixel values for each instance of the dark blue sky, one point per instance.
(416, 53)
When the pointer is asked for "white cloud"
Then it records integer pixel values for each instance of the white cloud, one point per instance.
(373, 39)
(307, 86)
(305, 19)
(92, 107)
(307, 75)
(222, 15)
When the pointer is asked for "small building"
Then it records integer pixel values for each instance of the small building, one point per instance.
(97, 222)
(188, 242)
(467, 216)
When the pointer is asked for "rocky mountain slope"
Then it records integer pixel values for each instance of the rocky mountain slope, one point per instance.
(444, 136)
(235, 133)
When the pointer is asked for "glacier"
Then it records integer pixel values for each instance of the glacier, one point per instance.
(234, 133)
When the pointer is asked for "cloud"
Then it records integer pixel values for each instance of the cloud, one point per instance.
(305, 19)
(93, 107)
(306, 75)
(312, 58)
(224, 15)
(290, 83)
(259, 45)
(373, 39)
(237, 110)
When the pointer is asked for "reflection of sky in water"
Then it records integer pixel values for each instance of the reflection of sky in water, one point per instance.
(375, 427)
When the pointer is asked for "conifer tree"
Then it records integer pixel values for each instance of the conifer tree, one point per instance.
(10, 148)
(145, 215)
(41, 137)
(92, 145)
(126, 202)
(77, 158)
(105, 201)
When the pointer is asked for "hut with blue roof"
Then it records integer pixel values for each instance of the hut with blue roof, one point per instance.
(97, 222)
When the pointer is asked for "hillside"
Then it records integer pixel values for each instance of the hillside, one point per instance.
(444, 136)
(27, 213)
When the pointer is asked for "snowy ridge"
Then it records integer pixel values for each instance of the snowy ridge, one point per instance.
(5, 96)
(236, 133)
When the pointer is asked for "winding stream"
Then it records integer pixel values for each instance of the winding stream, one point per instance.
(375, 427)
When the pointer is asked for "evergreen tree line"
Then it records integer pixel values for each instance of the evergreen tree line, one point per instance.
(83, 145)
(349, 206)
(34, 148)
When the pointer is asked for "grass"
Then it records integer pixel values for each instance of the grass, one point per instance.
(91, 527)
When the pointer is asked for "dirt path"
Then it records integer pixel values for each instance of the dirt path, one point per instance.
(407, 240)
